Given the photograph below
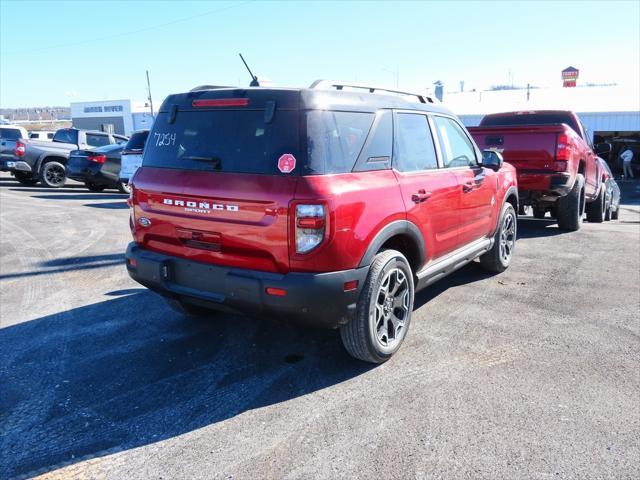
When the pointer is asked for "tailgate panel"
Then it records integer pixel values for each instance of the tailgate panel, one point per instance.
(232, 219)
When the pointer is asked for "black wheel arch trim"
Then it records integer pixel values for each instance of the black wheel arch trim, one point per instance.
(46, 157)
(512, 190)
(398, 227)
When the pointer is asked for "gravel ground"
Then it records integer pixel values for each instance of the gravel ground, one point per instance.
(533, 373)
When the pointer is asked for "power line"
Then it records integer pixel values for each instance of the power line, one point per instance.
(131, 32)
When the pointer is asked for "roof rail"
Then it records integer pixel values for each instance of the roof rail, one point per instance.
(327, 84)
(207, 87)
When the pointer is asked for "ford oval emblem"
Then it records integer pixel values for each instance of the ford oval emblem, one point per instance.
(144, 221)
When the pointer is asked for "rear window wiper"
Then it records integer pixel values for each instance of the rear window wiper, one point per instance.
(195, 158)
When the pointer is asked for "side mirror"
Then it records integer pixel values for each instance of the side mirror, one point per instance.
(602, 148)
(492, 159)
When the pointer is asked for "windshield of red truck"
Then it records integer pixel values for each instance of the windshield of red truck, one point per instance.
(529, 119)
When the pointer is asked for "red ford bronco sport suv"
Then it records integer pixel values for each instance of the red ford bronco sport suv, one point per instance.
(325, 205)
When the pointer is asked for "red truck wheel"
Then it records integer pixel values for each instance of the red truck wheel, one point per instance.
(596, 209)
(571, 207)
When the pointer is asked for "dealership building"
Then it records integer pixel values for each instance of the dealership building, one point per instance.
(115, 116)
(610, 113)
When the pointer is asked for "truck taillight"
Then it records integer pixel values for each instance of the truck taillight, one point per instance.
(20, 148)
(97, 158)
(560, 166)
(310, 223)
(563, 147)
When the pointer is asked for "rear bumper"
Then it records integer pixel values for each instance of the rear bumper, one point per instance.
(89, 172)
(7, 165)
(552, 184)
(316, 299)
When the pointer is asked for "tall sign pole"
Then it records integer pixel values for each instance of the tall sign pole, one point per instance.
(149, 90)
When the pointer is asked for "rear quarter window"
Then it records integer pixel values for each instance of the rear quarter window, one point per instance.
(335, 139)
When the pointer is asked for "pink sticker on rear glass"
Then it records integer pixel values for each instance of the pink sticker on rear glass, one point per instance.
(286, 163)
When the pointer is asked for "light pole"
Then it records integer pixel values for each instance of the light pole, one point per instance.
(396, 73)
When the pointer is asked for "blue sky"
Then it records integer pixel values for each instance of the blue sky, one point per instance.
(55, 52)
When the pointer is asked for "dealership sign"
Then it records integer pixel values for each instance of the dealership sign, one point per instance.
(103, 108)
(569, 77)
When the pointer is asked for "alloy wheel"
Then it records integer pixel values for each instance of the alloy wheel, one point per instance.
(55, 175)
(392, 308)
(507, 237)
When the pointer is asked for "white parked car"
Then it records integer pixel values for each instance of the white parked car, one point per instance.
(131, 157)
(41, 135)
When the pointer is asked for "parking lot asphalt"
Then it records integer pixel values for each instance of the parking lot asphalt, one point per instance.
(533, 373)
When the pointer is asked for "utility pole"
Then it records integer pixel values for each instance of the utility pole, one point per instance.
(149, 91)
(395, 73)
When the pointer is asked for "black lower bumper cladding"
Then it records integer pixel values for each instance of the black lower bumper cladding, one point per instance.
(316, 299)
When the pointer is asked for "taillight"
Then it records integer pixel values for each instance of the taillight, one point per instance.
(310, 227)
(563, 147)
(97, 158)
(560, 166)
(20, 148)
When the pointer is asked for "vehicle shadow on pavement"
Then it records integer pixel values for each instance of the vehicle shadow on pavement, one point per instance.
(87, 196)
(470, 273)
(529, 227)
(59, 265)
(108, 205)
(127, 372)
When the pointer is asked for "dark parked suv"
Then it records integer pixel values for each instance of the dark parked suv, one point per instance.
(326, 205)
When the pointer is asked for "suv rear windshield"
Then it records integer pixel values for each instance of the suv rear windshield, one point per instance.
(238, 141)
(136, 142)
(529, 119)
(241, 141)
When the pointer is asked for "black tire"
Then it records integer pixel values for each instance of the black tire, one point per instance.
(123, 187)
(386, 295)
(571, 206)
(187, 309)
(607, 213)
(614, 214)
(539, 213)
(94, 187)
(53, 174)
(25, 178)
(596, 209)
(553, 211)
(498, 259)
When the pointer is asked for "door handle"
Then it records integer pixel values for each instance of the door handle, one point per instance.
(421, 196)
(467, 187)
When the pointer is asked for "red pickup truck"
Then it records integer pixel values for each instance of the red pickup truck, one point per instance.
(555, 162)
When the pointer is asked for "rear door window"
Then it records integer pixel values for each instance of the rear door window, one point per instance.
(455, 147)
(414, 150)
(238, 141)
